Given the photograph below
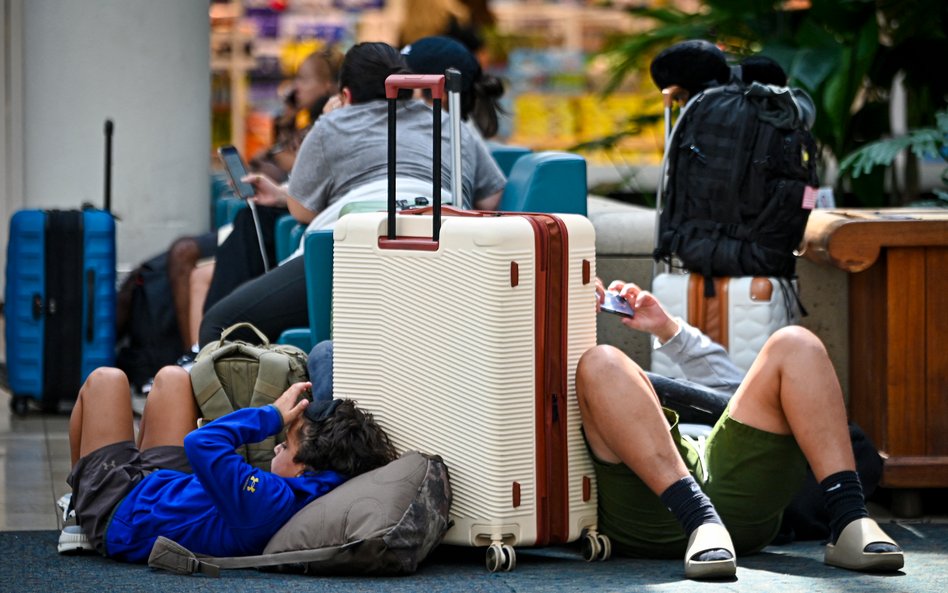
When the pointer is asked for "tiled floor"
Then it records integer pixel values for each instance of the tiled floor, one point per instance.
(34, 451)
(34, 463)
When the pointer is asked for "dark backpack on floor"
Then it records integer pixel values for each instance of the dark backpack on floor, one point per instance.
(152, 327)
(735, 200)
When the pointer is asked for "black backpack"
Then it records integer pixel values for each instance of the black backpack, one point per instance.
(153, 338)
(738, 165)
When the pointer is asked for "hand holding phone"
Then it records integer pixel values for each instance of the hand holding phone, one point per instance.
(617, 305)
(236, 170)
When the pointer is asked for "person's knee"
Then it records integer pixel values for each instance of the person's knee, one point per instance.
(104, 378)
(184, 252)
(601, 365)
(319, 366)
(104, 386)
(796, 340)
(171, 376)
(171, 381)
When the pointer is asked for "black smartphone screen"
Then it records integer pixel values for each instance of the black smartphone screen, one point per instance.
(236, 170)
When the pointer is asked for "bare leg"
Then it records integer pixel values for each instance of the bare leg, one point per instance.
(623, 421)
(170, 410)
(792, 389)
(201, 278)
(102, 414)
(613, 394)
(182, 257)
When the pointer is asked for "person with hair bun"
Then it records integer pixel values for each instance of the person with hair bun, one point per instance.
(480, 92)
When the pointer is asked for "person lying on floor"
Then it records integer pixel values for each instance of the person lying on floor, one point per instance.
(190, 485)
(660, 497)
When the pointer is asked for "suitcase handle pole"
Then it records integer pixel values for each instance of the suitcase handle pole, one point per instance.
(452, 80)
(109, 128)
(435, 83)
(670, 95)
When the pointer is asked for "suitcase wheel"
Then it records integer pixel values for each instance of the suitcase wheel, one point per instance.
(501, 557)
(596, 547)
(19, 405)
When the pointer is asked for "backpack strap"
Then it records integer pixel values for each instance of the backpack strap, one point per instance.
(273, 369)
(208, 391)
(169, 555)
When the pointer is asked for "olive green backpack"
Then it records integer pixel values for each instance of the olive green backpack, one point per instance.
(232, 374)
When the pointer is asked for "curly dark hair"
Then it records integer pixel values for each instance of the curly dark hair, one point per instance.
(349, 442)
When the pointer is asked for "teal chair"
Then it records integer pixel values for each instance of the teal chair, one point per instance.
(288, 234)
(317, 258)
(505, 155)
(226, 208)
(546, 181)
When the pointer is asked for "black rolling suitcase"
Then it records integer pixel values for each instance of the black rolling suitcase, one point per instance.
(59, 299)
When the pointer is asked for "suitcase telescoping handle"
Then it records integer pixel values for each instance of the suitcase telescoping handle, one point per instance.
(670, 95)
(109, 129)
(452, 81)
(434, 83)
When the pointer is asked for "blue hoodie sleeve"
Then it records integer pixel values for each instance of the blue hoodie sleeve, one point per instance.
(245, 495)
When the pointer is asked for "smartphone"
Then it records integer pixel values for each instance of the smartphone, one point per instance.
(236, 170)
(615, 304)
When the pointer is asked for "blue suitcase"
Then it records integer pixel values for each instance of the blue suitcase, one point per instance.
(60, 298)
(60, 303)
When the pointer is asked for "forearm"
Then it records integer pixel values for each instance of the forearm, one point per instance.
(211, 447)
(230, 482)
(488, 203)
(702, 360)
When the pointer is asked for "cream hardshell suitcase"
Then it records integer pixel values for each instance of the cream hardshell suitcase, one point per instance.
(447, 349)
(461, 334)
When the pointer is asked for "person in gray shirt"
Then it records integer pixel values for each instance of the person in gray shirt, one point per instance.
(346, 153)
(659, 496)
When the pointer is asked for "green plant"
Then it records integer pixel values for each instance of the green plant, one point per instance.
(844, 53)
(924, 143)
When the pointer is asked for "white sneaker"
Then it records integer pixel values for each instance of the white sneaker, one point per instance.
(63, 504)
(73, 541)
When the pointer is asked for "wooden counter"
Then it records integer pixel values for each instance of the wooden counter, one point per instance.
(898, 342)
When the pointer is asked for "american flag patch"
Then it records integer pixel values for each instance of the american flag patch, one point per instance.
(809, 198)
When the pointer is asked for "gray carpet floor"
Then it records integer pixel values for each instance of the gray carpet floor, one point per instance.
(29, 563)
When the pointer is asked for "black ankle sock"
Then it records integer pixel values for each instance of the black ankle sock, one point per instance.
(693, 509)
(842, 494)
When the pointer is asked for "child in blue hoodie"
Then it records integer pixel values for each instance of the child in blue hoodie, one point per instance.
(190, 485)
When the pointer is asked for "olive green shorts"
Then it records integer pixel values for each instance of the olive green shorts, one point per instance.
(750, 476)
